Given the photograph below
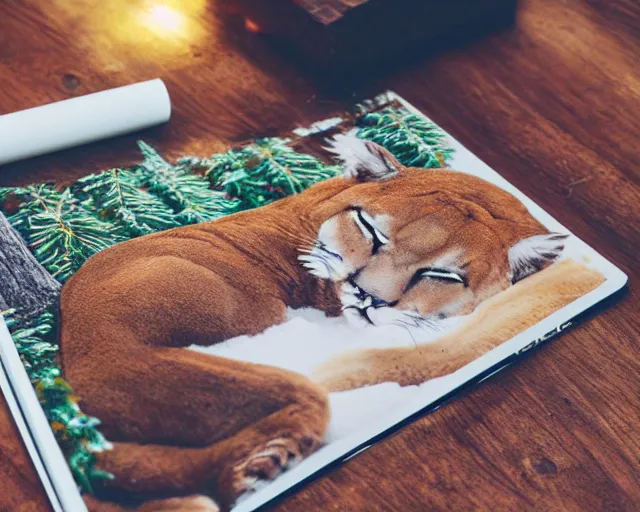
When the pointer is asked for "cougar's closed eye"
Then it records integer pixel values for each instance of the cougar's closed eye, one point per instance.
(440, 274)
(366, 223)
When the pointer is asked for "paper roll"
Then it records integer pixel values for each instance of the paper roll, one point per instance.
(84, 119)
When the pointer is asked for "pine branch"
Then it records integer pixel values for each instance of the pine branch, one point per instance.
(34, 344)
(264, 171)
(188, 195)
(59, 232)
(76, 433)
(116, 196)
(413, 140)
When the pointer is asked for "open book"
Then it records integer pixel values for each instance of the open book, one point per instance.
(219, 330)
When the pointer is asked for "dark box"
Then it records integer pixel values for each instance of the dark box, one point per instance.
(360, 34)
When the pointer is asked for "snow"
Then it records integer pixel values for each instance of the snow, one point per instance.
(307, 339)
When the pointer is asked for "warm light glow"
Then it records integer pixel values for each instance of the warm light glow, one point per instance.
(162, 19)
(252, 26)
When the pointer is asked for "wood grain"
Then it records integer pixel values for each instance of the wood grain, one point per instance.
(20, 487)
(553, 104)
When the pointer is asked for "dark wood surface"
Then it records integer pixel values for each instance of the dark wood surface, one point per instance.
(553, 104)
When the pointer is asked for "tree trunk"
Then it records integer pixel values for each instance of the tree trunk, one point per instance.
(24, 284)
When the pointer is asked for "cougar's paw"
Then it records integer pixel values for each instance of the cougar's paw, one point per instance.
(195, 503)
(269, 460)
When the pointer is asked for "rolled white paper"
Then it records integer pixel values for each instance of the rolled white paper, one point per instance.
(83, 119)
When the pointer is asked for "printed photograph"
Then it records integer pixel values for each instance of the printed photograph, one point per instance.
(205, 334)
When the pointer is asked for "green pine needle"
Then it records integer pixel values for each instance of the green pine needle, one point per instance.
(60, 233)
(188, 195)
(77, 433)
(116, 196)
(264, 171)
(413, 140)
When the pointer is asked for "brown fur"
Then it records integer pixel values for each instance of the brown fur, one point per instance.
(183, 422)
(193, 422)
(495, 321)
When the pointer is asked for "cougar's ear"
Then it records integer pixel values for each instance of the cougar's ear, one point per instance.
(363, 159)
(534, 253)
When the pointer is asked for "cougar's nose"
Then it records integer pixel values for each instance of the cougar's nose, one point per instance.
(362, 295)
(379, 303)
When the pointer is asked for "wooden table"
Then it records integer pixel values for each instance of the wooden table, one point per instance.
(554, 105)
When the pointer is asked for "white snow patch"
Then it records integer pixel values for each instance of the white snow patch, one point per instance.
(309, 338)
